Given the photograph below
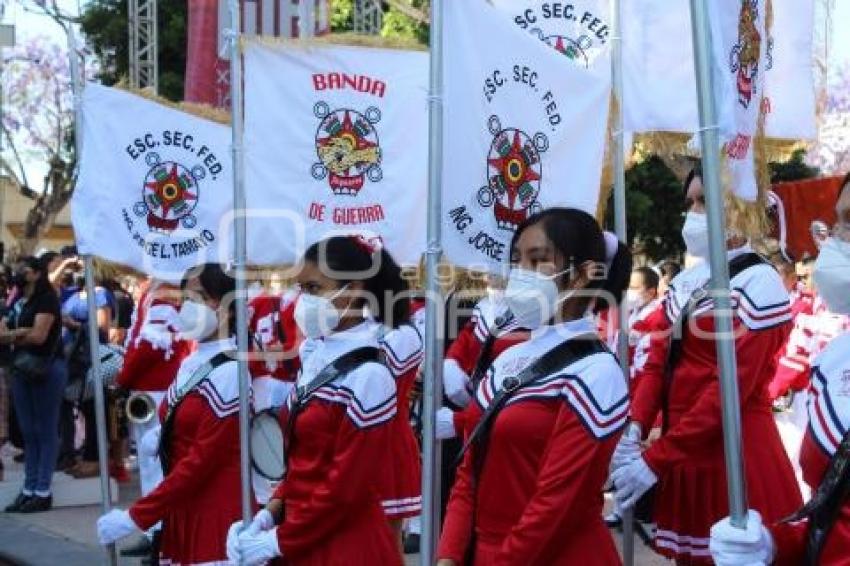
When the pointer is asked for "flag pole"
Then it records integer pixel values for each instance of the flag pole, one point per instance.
(240, 254)
(433, 382)
(719, 288)
(620, 228)
(91, 327)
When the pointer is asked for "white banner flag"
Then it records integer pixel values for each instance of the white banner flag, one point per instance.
(523, 132)
(155, 185)
(660, 85)
(790, 83)
(740, 44)
(336, 141)
(579, 30)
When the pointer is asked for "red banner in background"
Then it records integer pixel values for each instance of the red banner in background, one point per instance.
(799, 204)
(207, 73)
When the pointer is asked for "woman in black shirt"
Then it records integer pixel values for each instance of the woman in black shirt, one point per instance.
(37, 328)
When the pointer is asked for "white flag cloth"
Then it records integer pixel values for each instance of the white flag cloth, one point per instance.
(336, 142)
(579, 30)
(790, 83)
(740, 44)
(660, 85)
(523, 131)
(155, 185)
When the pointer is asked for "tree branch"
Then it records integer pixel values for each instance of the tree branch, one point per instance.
(419, 16)
(22, 179)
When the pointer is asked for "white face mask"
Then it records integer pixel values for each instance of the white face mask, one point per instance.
(532, 297)
(832, 275)
(316, 316)
(197, 321)
(633, 298)
(695, 234)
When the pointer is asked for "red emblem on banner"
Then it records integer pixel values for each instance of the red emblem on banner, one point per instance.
(348, 148)
(169, 195)
(514, 173)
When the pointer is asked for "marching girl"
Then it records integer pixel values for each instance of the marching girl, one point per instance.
(199, 497)
(687, 463)
(153, 355)
(328, 509)
(531, 490)
(824, 536)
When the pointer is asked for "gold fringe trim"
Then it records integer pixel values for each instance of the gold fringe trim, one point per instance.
(342, 39)
(199, 110)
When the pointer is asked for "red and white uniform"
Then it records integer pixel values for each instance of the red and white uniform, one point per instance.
(829, 421)
(639, 336)
(200, 497)
(539, 495)
(337, 458)
(814, 328)
(153, 354)
(403, 348)
(688, 458)
(274, 348)
(462, 355)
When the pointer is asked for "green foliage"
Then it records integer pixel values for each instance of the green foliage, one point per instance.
(654, 207)
(104, 22)
(398, 25)
(794, 169)
(342, 16)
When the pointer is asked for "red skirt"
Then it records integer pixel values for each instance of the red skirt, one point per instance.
(367, 541)
(195, 536)
(401, 493)
(692, 496)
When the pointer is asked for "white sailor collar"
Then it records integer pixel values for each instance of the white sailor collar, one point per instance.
(564, 330)
(317, 353)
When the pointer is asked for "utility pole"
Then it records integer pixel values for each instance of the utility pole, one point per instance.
(144, 45)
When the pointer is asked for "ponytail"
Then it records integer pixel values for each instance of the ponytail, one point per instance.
(354, 258)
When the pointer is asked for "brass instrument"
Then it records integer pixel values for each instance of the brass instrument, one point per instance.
(140, 408)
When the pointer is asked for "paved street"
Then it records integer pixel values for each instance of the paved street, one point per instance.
(66, 536)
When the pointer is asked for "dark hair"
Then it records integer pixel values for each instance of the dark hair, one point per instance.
(694, 173)
(376, 269)
(783, 266)
(670, 268)
(578, 238)
(39, 265)
(218, 284)
(650, 277)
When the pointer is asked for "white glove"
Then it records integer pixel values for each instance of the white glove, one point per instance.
(628, 448)
(261, 522)
(445, 423)
(234, 556)
(149, 443)
(731, 546)
(115, 525)
(632, 481)
(258, 548)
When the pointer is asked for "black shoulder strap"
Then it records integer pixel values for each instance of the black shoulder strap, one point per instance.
(823, 508)
(198, 376)
(559, 357)
(343, 365)
(737, 265)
